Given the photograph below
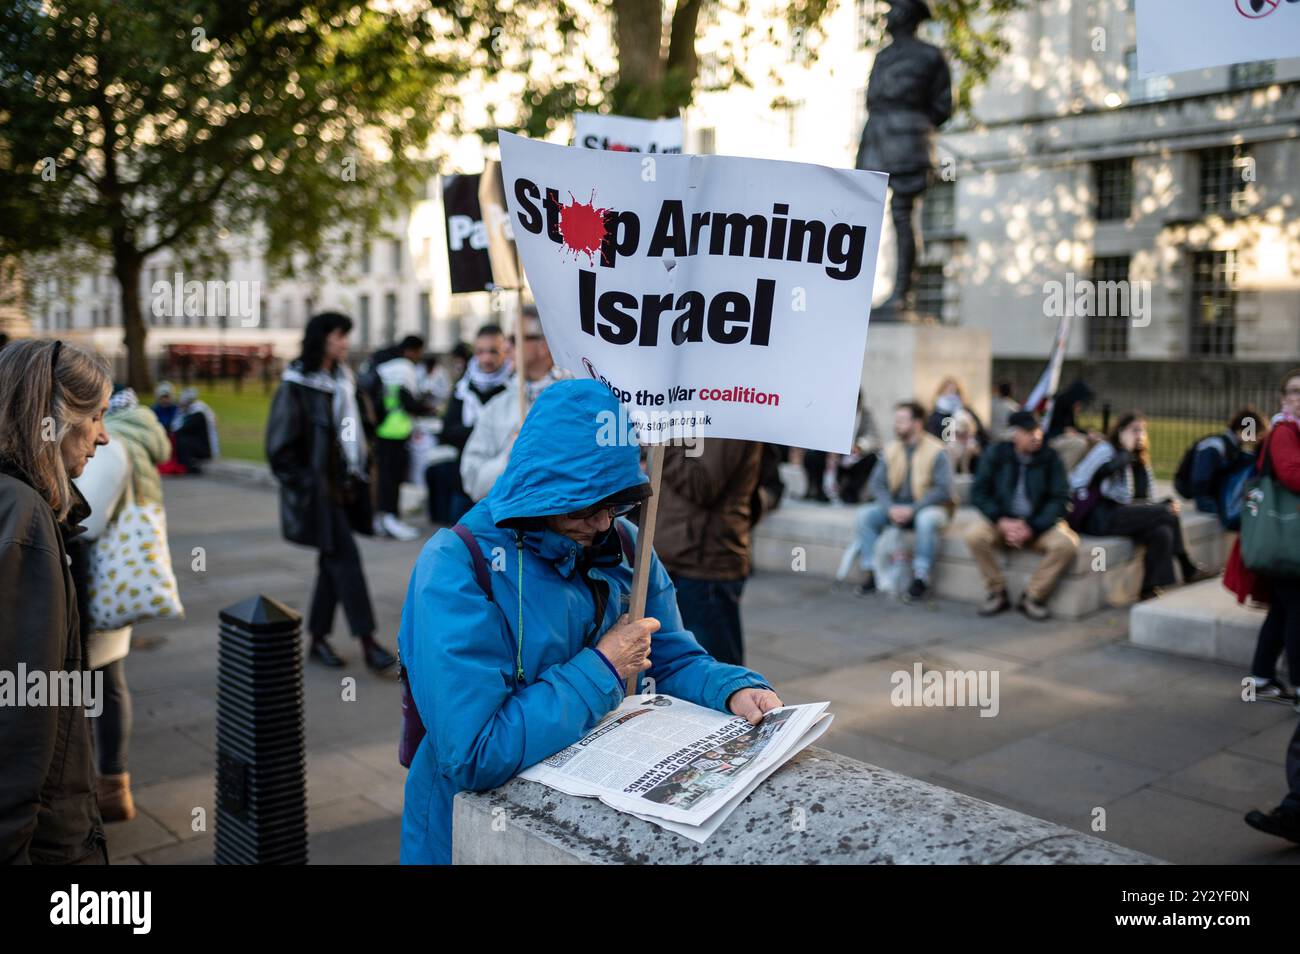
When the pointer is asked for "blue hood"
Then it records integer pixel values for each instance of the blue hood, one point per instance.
(574, 450)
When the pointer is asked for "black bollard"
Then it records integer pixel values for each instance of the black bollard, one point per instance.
(261, 767)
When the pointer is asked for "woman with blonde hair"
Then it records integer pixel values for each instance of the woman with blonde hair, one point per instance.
(52, 402)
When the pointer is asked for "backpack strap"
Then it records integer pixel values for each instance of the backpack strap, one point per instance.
(625, 541)
(481, 575)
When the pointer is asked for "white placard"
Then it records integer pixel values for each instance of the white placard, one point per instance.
(1174, 36)
(717, 296)
(626, 134)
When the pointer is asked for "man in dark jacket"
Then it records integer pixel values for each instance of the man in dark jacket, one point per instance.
(485, 377)
(705, 515)
(1022, 491)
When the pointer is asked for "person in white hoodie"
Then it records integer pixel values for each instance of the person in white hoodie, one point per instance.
(488, 448)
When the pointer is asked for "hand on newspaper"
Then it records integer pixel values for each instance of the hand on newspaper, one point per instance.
(750, 704)
(627, 644)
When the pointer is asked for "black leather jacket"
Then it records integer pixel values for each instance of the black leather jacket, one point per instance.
(302, 447)
(48, 810)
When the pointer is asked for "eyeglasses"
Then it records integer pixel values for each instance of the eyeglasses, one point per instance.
(615, 511)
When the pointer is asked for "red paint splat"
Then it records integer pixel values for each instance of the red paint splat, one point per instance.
(582, 226)
(619, 147)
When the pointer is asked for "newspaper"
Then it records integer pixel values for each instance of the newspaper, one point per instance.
(679, 765)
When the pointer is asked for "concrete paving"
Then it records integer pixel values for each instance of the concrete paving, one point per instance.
(1161, 745)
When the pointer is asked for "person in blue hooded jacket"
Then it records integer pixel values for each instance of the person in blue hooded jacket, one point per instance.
(501, 684)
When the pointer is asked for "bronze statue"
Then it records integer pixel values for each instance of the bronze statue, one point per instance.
(909, 96)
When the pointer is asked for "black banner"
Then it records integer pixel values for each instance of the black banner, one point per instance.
(467, 240)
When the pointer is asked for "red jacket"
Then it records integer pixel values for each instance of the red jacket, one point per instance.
(1282, 448)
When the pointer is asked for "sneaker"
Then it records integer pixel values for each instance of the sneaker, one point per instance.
(916, 591)
(995, 603)
(1281, 822)
(1033, 609)
(867, 586)
(1270, 690)
(377, 526)
(398, 530)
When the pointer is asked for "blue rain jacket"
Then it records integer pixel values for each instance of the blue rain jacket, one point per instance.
(503, 684)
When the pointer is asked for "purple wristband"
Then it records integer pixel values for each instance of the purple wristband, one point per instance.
(605, 660)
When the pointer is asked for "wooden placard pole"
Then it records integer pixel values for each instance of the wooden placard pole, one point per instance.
(645, 538)
(519, 359)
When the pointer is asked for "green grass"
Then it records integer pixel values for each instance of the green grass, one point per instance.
(241, 417)
(1169, 437)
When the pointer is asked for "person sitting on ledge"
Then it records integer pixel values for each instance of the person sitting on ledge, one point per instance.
(502, 681)
(912, 489)
(1114, 495)
(1021, 490)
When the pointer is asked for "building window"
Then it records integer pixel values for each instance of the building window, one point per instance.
(426, 317)
(363, 313)
(707, 141)
(939, 209)
(365, 258)
(309, 306)
(929, 291)
(1214, 303)
(1114, 189)
(1224, 171)
(1108, 323)
(397, 256)
(1246, 75)
(390, 318)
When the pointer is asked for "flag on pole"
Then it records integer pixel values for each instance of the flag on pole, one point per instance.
(1050, 381)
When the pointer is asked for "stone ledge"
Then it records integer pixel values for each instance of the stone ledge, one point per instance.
(1203, 621)
(853, 813)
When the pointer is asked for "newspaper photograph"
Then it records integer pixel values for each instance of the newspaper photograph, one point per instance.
(677, 764)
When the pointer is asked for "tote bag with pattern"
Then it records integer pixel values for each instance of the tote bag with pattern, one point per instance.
(131, 577)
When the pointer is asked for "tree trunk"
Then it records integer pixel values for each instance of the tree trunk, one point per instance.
(127, 264)
(681, 40)
(638, 36)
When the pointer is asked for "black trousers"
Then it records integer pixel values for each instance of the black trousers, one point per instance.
(1292, 799)
(448, 501)
(1158, 529)
(340, 579)
(851, 481)
(1281, 630)
(711, 611)
(393, 462)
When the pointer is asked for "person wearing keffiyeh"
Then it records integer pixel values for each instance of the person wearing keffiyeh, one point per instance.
(1119, 470)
